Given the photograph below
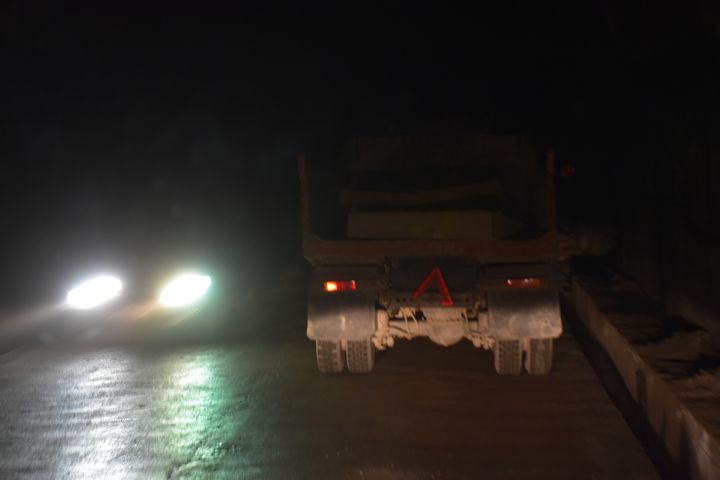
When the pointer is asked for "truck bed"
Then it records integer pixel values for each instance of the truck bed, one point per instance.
(537, 249)
(320, 251)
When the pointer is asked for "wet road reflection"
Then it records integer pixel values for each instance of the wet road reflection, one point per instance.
(263, 412)
(101, 423)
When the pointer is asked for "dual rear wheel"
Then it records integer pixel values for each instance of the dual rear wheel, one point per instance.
(509, 356)
(360, 356)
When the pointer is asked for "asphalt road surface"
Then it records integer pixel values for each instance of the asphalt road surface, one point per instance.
(259, 410)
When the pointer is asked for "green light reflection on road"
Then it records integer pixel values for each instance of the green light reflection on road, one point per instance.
(193, 412)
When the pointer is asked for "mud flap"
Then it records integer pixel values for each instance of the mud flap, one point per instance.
(341, 316)
(524, 314)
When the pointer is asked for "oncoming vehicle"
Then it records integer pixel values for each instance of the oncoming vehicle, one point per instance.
(445, 237)
(109, 303)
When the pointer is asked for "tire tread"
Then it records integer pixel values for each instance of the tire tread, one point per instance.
(329, 356)
(508, 357)
(538, 360)
(360, 356)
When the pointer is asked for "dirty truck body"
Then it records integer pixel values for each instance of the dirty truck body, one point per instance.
(438, 258)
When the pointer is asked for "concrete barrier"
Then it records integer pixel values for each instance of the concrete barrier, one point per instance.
(690, 442)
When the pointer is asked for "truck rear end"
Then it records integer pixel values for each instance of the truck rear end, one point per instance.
(448, 238)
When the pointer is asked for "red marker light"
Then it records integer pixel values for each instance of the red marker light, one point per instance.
(335, 286)
(523, 282)
(567, 171)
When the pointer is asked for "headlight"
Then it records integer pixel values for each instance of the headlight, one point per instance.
(185, 290)
(94, 292)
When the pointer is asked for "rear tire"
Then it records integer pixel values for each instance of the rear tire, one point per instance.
(508, 357)
(539, 356)
(360, 356)
(329, 356)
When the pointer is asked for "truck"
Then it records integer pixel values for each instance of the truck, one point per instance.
(449, 237)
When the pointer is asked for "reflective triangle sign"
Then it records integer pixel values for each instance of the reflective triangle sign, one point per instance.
(436, 276)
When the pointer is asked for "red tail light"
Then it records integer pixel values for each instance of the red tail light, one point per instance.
(343, 286)
(523, 282)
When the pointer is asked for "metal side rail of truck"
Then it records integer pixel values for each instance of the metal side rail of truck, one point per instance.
(436, 257)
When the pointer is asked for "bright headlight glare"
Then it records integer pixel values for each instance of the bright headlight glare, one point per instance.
(185, 290)
(94, 292)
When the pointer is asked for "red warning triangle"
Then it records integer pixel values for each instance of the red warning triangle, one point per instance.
(437, 276)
